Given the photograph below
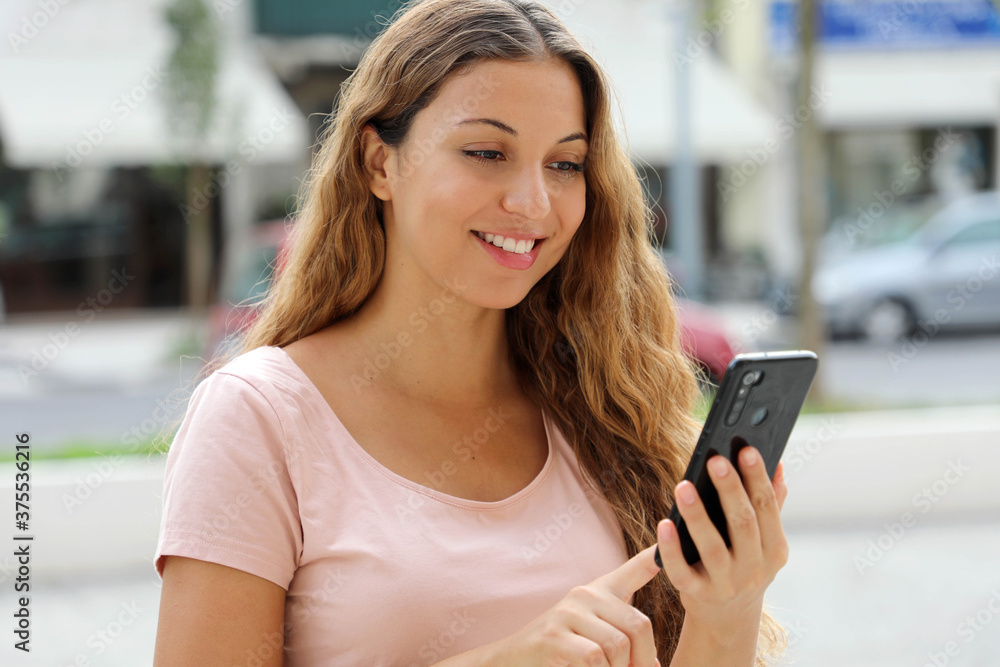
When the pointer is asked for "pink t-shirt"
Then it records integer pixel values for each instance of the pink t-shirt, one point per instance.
(379, 570)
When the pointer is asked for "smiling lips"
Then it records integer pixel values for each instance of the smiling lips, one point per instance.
(518, 254)
(519, 247)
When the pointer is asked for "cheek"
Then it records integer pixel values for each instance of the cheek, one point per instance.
(572, 207)
(434, 200)
(569, 207)
(446, 205)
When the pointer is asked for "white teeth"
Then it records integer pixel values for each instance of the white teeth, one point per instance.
(510, 245)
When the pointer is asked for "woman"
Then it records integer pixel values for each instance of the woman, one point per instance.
(463, 410)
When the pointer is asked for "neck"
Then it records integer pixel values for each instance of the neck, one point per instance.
(432, 346)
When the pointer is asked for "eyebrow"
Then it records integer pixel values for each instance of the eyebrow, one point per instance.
(504, 127)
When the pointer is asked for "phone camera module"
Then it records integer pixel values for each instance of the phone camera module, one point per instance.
(758, 417)
(746, 387)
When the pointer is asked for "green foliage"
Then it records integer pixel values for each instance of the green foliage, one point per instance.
(706, 396)
(192, 70)
(79, 449)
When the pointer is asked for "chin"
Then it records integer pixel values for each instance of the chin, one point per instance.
(503, 304)
(498, 299)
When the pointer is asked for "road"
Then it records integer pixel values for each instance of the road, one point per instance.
(100, 416)
(944, 370)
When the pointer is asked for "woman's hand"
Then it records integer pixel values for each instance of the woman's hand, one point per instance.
(723, 594)
(593, 626)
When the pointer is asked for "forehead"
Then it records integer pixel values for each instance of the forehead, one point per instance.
(540, 97)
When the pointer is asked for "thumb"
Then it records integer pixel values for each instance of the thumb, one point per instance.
(631, 575)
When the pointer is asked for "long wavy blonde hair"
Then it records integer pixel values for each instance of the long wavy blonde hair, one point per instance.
(595, 342)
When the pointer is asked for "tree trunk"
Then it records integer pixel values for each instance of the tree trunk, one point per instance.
(812, 195)
(199, 239)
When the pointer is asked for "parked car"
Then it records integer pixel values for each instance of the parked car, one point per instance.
(850, 234)
(703, 336)
(945, 275)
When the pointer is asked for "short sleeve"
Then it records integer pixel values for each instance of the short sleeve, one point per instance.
(228, 496)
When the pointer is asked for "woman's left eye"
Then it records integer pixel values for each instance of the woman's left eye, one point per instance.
(568, 166)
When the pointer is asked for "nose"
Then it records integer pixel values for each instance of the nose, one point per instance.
(527, 195)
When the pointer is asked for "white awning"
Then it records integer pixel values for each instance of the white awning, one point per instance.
(914, 88)
(84, 87)
(633, 41)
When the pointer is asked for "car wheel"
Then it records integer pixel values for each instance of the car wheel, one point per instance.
(887, 322)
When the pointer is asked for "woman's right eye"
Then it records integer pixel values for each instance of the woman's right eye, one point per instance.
(485, 155)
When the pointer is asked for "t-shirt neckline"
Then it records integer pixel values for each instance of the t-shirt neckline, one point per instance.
(408, 483)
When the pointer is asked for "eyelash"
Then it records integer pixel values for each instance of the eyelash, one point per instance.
(480, 156)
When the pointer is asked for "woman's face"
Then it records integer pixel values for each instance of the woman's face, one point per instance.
(498, 153)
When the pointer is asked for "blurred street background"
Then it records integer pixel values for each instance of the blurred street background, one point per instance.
(823, 174)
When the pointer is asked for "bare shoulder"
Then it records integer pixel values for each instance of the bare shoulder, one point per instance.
(334, 344)
(317, 354)
(307, 351)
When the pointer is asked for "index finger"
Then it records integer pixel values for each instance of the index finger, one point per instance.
(631, 575)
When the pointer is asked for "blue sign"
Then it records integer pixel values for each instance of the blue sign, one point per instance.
(890, 24)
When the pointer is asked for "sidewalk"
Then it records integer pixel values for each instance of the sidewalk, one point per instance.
(72, 383)
(61, 353)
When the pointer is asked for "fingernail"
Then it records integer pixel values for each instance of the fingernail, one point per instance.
(666, 530)
(719, 466)
(749, 456)
(686, 493)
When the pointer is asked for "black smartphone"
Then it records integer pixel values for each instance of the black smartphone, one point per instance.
(757, 404)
